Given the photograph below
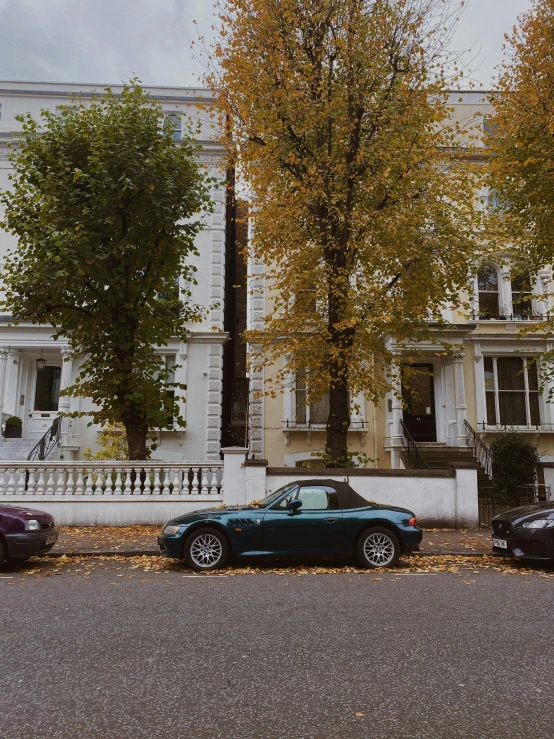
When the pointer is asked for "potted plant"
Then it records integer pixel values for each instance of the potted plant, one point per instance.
(12, 428)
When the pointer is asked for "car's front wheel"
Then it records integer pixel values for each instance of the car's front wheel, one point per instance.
(206, 549)
(378, 547)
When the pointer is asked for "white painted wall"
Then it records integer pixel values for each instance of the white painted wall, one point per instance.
(449, 501)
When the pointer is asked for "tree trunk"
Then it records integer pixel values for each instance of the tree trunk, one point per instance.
(136, 439)
(338, 421)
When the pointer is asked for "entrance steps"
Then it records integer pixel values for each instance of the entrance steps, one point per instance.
(439, 455)
(16, 449)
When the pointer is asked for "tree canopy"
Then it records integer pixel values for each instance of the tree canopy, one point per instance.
(362, 205)
(105, 206)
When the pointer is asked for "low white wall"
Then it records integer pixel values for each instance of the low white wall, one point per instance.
(438, 498)
(95, 510)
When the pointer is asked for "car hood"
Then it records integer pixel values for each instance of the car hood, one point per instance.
(12, 511)
(217, 512)
(527, 511)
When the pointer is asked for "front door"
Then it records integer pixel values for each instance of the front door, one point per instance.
(418, 393)
(44, 400)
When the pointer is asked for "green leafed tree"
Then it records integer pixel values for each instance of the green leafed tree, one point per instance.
(362, 205)
(105, 206)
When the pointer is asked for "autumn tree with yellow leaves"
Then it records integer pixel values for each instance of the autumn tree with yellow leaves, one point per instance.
(522, 142)
(362, 204)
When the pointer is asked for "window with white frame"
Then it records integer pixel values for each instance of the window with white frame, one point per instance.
(522, 305)
(169, 360)
(511, 391)
(487, 286)
(176, 122)
(309, 413)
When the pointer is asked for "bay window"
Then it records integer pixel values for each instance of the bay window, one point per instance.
(511, 392)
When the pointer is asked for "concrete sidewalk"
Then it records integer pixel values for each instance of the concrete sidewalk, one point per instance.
(141, 540)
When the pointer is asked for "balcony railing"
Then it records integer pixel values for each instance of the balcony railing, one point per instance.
(111, 479)
(537, 317)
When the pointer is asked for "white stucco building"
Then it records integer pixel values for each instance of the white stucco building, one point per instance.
(34, 394)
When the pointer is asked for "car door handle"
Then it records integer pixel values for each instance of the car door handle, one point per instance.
(331, 520)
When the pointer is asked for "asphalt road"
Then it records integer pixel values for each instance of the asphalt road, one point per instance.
(130, 654)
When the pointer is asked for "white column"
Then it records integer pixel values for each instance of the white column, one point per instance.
(65, 401)
(234, 477)
(461, 407)
(397, 413)
(4, 351)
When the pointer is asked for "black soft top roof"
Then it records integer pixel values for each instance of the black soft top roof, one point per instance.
(348, 498)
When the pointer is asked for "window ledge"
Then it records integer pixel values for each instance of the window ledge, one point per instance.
(542, 429)
(293, 426)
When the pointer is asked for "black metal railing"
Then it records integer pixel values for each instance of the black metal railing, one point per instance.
(479, 449)
(415, 459)
(511, 317)
(49, 441)
(494, 501)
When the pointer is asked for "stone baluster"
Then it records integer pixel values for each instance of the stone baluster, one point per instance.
(51, 481)
(21, 475)
(127, 490)
(156, 490)
(117, 489)
(88, 484)
(40, 483)
(165, 488)
(70, 483)
(204, 490)
(60, 487)
(31, 482)
(80, 484)
(196, 481)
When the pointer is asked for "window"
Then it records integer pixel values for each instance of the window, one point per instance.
(306, 412)
(511, 391)
(47, 391)
(522, 306)
(487, 286)
(176, 122)
(313, 497)
(489, 129)
(318, 498)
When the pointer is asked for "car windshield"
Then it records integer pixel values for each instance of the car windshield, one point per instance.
(266, 502)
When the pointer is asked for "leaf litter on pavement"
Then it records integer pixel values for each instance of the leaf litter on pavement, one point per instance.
(465, 566)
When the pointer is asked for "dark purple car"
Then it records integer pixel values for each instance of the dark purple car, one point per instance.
(25, 532)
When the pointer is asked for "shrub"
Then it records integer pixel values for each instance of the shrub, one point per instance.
(514, 460)
(14, 421)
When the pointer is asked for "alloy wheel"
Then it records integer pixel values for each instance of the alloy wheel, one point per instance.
(206, 550)
(379, 549)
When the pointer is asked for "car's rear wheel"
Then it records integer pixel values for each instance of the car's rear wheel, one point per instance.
(378, 547)
(206, 549)
(2, 553)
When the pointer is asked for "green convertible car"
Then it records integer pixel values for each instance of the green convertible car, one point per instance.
(312, 518)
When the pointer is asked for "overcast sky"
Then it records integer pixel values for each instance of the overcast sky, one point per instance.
(112, 40)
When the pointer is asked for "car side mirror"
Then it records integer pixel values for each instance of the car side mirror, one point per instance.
(294, 505)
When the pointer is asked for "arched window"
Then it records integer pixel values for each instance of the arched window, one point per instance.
(522, 306)
(487, 286)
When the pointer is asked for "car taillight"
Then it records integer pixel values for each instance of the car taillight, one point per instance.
(412, 521)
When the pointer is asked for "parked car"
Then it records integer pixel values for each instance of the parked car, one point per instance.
(24, 533)
(527, 531)
(316, 518)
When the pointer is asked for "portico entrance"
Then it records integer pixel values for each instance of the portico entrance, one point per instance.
(418, 394)
(44, 399)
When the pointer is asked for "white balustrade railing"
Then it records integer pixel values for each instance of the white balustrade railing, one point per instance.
(111, 478)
